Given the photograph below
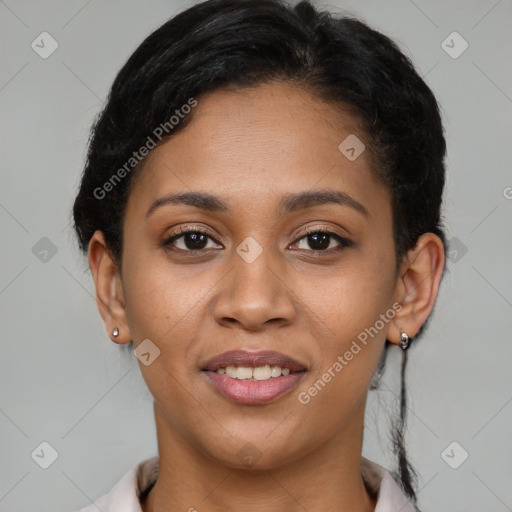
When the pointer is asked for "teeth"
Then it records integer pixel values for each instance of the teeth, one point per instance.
(230, 372)
(275, 371)
(259, 373)
(243, 373)
(262, 373)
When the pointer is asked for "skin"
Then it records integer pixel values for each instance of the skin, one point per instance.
(250, 148)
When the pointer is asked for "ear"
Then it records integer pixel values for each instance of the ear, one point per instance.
(417, 286)
(109, 290)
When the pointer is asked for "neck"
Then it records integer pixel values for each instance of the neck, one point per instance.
(329, 478)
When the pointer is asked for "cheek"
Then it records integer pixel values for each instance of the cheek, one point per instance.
(351, 298)
(347, 358)
(160, 299)
(353, 314)
(164, 307)
(168, 305)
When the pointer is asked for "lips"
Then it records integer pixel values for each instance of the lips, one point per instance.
(252, 391)
(253, 360)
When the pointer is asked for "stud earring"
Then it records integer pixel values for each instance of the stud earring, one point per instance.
(404, 341)
(115, 332)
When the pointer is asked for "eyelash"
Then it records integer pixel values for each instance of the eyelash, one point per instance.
(344, 242)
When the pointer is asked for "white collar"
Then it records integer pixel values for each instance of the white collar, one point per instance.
(124, 496)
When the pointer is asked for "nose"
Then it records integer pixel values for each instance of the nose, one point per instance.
(255, 295)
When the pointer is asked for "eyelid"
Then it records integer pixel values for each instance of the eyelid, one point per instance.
(318, 228)
(329, 230)
(183, 230)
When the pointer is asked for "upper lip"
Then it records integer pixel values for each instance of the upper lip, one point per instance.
(252, 360)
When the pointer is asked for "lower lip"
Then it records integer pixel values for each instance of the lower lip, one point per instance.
(252, 392)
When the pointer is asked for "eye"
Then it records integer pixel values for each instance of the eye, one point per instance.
(315, 240)
(190, 240)
(322, 241)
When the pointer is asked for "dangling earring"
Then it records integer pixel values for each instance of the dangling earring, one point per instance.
(404, 341)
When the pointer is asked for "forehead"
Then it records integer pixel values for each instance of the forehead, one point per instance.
(256, 144)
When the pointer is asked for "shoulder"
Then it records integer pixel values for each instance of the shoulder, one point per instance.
(124, 496)
(126, 492)
(383, 486)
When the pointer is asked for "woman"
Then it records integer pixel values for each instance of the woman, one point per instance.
(261, 212)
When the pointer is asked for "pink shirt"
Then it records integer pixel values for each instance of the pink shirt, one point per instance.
(124, 496)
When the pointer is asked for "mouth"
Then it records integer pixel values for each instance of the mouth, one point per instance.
(252, 378)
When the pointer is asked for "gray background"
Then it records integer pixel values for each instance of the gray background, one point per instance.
(64, 382)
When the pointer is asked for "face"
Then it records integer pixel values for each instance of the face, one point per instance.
(291, 278)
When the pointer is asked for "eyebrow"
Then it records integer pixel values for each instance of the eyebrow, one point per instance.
(288, 204)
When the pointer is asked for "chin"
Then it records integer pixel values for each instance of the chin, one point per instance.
(254, 450)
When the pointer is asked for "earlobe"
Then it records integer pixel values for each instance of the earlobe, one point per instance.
(418, 286)
(109, 293)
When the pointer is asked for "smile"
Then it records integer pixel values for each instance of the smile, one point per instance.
(259, 373)
(252, 378)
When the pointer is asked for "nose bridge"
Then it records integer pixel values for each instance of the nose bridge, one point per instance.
(254, 292)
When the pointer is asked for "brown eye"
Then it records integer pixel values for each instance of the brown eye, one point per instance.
(322, 241)
(192, 240)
